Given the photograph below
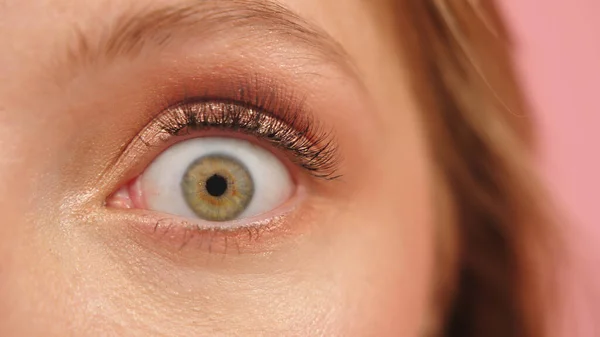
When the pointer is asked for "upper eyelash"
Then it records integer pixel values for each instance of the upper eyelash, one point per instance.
(276, 118)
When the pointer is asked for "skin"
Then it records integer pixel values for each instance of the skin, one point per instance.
(353, 256)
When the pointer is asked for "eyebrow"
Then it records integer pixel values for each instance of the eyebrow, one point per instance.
(133, 31)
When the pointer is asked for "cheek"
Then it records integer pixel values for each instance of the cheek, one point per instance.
(387, 245)
(385, 271)
(379, 256)
(30, 282)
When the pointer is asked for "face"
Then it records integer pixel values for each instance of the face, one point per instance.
(210, 168)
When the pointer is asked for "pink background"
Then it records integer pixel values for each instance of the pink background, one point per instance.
(558, 54)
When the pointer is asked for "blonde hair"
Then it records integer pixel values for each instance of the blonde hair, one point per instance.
(481, 137)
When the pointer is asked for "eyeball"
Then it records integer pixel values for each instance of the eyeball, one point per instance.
(215, 179)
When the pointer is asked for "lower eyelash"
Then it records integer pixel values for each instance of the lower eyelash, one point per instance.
(284, 125)
(212, 240)
(178, 234)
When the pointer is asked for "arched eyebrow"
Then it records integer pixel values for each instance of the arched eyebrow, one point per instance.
(131, 32)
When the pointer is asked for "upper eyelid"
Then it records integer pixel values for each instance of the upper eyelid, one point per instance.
(276, 94)
(315, 150)
(154, 136)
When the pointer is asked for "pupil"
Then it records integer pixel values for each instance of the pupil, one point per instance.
(216, 185)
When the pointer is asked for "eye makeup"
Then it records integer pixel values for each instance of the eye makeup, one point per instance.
(256, 108)
(266, 115)
(288, 129)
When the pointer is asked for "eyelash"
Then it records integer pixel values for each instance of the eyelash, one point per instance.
(278, 119)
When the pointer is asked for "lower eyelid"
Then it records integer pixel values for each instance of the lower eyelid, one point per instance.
(252, 235)
(183, 234)
(248, 236)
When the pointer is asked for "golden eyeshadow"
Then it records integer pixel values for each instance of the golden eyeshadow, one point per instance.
(217, 187)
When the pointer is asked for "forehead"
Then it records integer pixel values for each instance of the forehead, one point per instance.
(55, 29)
(56, 48)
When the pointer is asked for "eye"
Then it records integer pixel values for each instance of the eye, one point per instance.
(215, 179)
(223, 180)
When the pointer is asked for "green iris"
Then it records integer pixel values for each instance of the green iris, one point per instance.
(217, 187)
